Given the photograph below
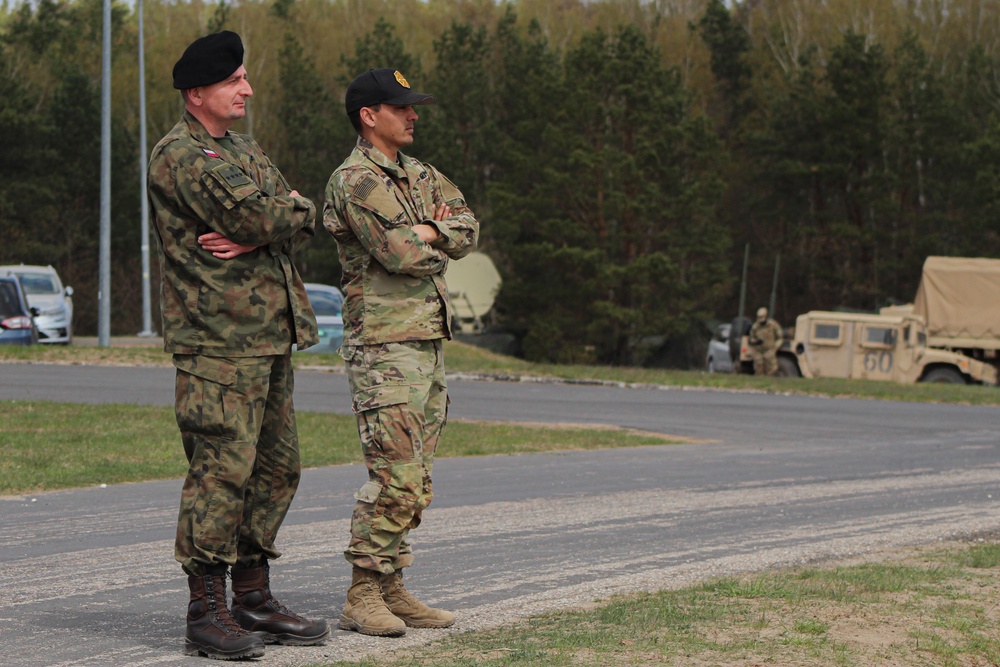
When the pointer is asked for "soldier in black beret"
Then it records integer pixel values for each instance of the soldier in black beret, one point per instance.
(233, 307)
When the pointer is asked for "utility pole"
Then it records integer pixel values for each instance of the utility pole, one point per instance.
(774, 285)
(147, 318)
(104, 278)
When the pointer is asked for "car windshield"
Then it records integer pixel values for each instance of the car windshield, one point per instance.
(325, 304)
(38, 283)
(10, 306)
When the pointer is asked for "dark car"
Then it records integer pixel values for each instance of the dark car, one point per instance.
(47, 295)
(17, 322)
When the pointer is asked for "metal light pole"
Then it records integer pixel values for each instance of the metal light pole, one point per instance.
(774, 285)
(104, 280)
(147, 320)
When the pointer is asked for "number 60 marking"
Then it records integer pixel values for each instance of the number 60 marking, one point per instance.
(878, 361)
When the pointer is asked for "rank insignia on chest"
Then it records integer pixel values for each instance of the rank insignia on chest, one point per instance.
(232, 175)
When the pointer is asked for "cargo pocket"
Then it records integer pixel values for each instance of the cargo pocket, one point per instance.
(384, 412)
(205, 402)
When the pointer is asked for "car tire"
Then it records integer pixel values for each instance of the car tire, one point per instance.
(943, 376)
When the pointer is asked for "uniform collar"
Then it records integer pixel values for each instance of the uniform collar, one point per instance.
(397, 169)
(200, 134)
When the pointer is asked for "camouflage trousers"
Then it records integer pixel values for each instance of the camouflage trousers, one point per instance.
(237, 423)
(765, 362)
(400, 399)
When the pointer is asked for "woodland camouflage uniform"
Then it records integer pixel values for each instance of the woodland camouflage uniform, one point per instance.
(231, 324)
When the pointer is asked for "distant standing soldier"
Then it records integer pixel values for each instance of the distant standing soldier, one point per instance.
(765, 338)
(233, 305)
(397, 222)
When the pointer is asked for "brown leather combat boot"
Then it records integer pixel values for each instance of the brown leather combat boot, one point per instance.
(412, 611)
(365, 611)
(211, 630)
(256, 610)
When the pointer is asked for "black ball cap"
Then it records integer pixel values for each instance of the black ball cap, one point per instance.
(382, 86)
(208, 60)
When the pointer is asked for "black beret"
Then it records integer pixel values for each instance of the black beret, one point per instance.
(382, 86)
(208, 60)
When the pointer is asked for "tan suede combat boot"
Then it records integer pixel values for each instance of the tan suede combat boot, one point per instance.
(412, 611)
(365, 611)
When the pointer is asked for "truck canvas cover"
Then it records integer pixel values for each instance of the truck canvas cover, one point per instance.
(959, 299)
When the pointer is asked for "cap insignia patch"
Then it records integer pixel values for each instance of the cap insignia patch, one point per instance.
(401, 79)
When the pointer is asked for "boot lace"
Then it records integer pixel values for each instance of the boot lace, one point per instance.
(220, 613)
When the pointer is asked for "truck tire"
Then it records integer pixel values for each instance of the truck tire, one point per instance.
(943, 375)
(788, 368)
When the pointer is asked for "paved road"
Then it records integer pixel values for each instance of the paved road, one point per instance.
(770, 480)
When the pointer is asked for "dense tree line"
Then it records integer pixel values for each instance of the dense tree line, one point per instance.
(619, 153)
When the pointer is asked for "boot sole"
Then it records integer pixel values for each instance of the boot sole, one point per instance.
(293, 640)
(191, 648)
(350, 624)
(427, 624)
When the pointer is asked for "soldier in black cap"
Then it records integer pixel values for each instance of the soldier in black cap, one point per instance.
(233, 305)
(397, 222)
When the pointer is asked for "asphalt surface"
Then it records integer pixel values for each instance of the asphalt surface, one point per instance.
(765, 481)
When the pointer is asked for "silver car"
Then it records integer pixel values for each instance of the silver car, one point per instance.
(328, 303)
(46, 294)
(717, 359)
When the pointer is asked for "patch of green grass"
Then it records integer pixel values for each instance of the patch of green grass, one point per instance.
(810, 626)
(46, 446)
(791, 617)
(980, 556)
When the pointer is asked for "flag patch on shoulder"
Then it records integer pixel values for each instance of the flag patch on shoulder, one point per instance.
(210, 153)
(365, 188)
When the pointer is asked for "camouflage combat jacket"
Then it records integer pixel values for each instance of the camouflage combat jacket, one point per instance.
(765, 335)
(394, 284)
(251, 305)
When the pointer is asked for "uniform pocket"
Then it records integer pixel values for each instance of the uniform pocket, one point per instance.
(387, 423)
(207, 401)
(215, 369)
(379, 396)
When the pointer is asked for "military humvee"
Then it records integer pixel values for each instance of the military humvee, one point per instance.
(872, 347)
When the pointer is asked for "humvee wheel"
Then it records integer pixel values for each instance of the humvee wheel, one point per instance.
(944, 376)
(788, 368)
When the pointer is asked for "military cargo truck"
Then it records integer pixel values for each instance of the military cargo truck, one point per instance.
(959, 299)
(874, 347)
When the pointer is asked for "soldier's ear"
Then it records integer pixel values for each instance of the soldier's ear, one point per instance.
(368, 116)
(193, 97)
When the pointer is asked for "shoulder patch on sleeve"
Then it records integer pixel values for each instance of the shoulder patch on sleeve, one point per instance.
(232, 175)
(364, 188)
